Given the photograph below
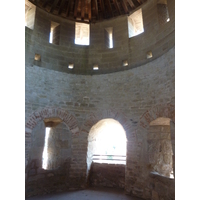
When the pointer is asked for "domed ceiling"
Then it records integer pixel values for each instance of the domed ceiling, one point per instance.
(88, 10)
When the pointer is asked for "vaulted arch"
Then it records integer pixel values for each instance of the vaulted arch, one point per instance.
(141, 162)
(49, 112)
(127, 125)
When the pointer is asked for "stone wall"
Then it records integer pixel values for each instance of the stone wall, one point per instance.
(160, 149)
(162, 188)
(107, 175)
(156, 38)
(134, 97)
(56, 175)
(40, 181)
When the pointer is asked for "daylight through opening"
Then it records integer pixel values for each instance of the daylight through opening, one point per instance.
(45, 151)
(107, 143)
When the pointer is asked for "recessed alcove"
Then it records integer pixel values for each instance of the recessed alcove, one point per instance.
(160, 147)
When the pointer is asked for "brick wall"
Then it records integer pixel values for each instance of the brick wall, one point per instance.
(107, 175)
(134, 97)
(160, 149)
(161, 187)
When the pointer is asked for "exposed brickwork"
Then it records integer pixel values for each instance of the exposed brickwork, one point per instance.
(160, 149)
(144, 92)
(167, 111)
(93, 118)
(156, 38)
(40, 181)
(161, 187)
(39, 115)
(120, 117)
(143, 168)
(33, 120)
(107, 175)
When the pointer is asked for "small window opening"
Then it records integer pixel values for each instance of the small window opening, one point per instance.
(71, 66)
(163, 14)
(109, 37)
(149, 54)
(135, 23)
(45, 151)
(37, 57)
(82, 33)
(29, 14)
(54, 35)
(125, 63)
(95, 67)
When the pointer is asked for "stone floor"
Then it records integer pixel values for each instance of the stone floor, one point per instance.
(88, 194)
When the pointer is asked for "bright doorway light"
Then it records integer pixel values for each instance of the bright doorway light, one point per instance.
(108, 142)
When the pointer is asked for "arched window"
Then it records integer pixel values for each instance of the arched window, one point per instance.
(107, 143)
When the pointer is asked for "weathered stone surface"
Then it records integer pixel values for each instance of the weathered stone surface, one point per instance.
(139, 94)
(160, 149)
(109, 175)
(32, 172)
(155, 195)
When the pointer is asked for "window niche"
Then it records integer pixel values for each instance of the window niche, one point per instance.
(82, 33)
(163, 14)
(108, 33)
(135, 23)
(106, 143)
(54, 36)
(160, 147)
(29, 14)
(57, 141)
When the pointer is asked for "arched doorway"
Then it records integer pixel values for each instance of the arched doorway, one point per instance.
(107, 149)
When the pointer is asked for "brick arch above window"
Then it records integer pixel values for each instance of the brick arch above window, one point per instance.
(93, 118)
(48, 112)
(167, 111)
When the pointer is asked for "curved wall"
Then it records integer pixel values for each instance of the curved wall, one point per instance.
(129, 94)
(133, 91)
(156, 38)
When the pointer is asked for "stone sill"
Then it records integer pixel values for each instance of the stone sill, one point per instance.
(159, 176)
(113, 164)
